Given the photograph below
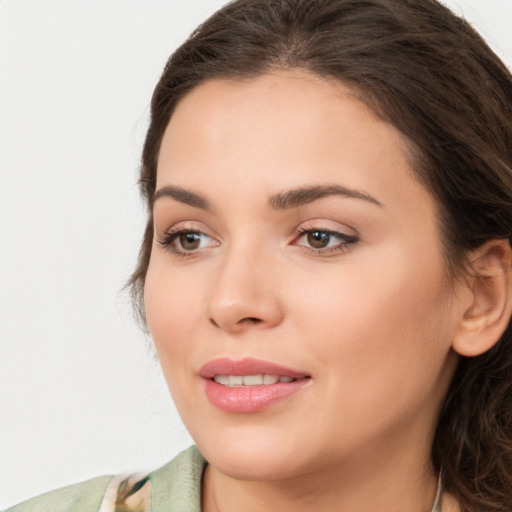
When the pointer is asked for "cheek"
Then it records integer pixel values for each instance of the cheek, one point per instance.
(171, 307)
(379, 337)
(385, 323)
(172, 310)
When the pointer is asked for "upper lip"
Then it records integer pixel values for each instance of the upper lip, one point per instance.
(247, 366)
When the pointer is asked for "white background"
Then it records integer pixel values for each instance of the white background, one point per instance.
(80, 392)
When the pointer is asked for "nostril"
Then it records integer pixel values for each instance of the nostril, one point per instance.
(251, 319)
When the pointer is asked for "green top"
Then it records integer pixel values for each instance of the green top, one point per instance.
(175, 487)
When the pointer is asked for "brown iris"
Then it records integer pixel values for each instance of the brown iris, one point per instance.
(190, 241)
(318, 239)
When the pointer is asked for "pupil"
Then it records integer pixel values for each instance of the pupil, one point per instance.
(318, 239)
(190, 241)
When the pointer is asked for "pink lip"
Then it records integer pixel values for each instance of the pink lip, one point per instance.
(249, 398)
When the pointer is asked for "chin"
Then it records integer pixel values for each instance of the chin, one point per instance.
(258, 455)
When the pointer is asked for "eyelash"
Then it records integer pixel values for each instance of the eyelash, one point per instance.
(344, 244)
(170, 238)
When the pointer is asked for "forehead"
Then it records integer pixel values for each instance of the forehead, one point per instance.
(281, 130)
(292, 98)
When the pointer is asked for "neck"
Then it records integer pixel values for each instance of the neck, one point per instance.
(392, 483)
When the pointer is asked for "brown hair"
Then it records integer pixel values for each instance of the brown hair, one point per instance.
(428, 73)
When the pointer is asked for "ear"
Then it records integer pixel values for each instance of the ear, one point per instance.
(488, 308)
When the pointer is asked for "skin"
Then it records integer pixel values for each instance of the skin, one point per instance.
(372, 321)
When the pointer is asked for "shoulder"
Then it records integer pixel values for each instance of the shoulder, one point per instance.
(122, 493)
(82, 497)
(175, 487)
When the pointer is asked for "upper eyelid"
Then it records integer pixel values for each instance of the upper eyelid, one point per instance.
(181, 225)
(168, 240)
(330, 226)
(181, 230)
(327, 225)
(334, 233)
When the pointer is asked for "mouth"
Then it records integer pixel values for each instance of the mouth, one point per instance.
(249, 385)
(236, 381)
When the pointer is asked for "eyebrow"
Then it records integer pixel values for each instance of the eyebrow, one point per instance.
(305, 195)
(282, 201)
(183, 196)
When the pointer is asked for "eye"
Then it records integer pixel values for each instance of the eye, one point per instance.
(324, 241)
(318, 239)
(189, 241)
(186, 241)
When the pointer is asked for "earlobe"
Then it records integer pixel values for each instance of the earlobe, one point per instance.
(487, 314)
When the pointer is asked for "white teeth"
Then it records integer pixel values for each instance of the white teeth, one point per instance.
(235, 380)
(253, 380)
(270, 379)
(222, 379)
(249, 380)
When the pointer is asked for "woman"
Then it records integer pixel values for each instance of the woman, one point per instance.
(326, 269)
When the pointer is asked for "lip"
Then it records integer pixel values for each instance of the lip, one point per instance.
(249, 399)
(247, 366)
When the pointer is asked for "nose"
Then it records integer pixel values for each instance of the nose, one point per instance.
(244, 294)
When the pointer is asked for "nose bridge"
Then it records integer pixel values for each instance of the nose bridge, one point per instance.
(242, 295)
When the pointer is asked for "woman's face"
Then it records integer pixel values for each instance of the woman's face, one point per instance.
(294, 246)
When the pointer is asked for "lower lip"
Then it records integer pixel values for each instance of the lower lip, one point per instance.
(250, 398)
